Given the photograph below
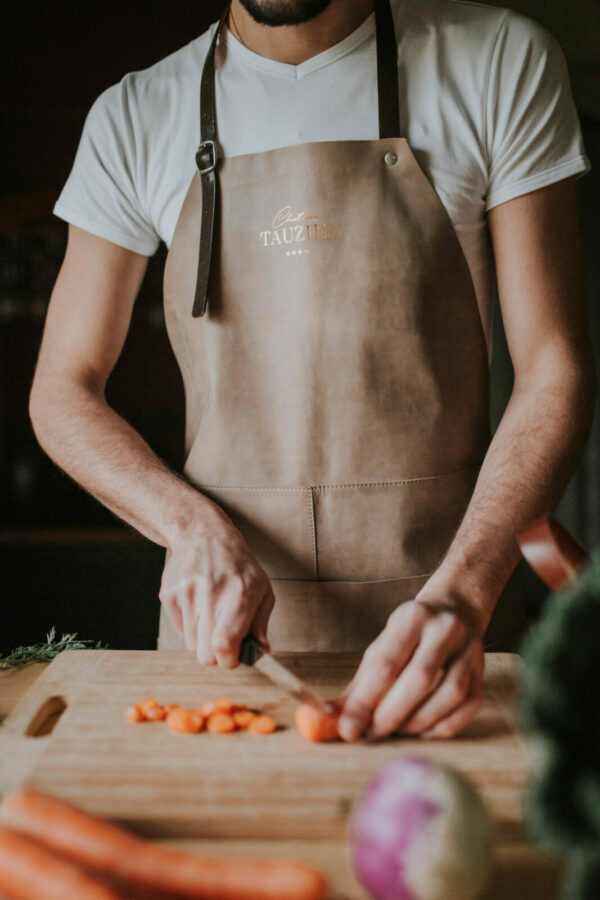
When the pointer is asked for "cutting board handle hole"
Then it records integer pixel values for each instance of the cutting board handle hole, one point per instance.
(45, 719)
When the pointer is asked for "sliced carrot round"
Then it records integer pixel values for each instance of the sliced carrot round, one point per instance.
(156, 714)
(243, 717)
(220, 705)
(262, 725)
(220, 723)
(134, 714)
(145, 705)
(185, 721)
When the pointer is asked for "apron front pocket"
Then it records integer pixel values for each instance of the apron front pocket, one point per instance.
(388, 530)
(334, 616)
(277, 524)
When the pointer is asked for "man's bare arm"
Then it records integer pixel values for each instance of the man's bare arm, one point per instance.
(532, 455)
(88, 318)
(85, 330)
(544, 428)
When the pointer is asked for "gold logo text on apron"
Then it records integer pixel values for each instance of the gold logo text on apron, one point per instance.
(294, 228)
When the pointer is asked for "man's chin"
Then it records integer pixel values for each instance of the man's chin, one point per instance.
(284, 12)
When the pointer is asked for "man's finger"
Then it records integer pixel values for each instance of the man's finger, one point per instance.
(379, 668)
(235, 614)
(260, 622)
(205, 621)
(458, 718)
(174, 613)
(187, 606)
(451, 693)
(418, 679)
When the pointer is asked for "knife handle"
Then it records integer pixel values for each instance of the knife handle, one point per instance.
(250, 650)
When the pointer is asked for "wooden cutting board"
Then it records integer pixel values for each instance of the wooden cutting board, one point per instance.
(237, 786)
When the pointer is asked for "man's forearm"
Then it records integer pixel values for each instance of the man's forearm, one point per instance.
(106, 456)
(525, 471)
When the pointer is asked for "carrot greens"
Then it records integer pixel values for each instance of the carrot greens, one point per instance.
(22, 656)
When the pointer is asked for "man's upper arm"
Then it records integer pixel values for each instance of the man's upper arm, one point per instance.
(537, 250)
(89, 312)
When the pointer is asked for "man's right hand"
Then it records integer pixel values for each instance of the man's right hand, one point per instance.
(215, 592)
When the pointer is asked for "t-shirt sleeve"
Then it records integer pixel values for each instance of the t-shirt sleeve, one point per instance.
(533, 132)
(105, 189)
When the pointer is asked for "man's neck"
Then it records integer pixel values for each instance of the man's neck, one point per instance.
(294, 44)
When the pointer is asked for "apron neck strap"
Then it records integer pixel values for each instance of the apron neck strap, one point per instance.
(387, 71)
(206, 155)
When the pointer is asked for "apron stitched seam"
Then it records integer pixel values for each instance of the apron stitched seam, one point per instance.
(302, 487)
(350, 581)
(313, 528)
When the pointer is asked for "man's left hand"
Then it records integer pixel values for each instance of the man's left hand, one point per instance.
(422, 675)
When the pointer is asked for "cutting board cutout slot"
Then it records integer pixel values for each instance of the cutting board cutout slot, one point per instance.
(45, 719)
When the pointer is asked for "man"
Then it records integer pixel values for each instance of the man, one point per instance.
(338, 483)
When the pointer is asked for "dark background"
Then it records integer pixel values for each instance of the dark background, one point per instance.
(64, 559)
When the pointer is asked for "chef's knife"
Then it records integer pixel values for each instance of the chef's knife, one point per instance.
(252, 654)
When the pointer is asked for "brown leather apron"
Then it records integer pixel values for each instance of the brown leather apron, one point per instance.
(337, 387)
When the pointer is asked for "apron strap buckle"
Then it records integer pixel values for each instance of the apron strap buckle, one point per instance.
(206, 157)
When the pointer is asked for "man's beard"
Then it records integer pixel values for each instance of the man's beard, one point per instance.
(284, 12)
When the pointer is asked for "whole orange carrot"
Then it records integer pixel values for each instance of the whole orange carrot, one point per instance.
(92, 842)
(28, 870)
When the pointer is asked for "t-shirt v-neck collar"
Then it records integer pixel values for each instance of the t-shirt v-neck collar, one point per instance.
(285, 70)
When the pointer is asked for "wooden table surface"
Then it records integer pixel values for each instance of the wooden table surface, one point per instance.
(520, 871)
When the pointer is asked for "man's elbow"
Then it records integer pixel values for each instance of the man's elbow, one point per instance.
(41, 411)
(53, 403)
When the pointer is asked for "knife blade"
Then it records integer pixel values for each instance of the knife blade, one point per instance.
(252, 654)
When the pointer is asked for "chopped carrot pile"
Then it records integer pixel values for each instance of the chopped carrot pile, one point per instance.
(219, 716)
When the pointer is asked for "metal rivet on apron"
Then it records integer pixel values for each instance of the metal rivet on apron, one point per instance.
(391, 158)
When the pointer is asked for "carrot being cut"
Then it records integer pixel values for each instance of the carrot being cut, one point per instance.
(103, 847)
(29, 870)
(262, 725)
(315, 725)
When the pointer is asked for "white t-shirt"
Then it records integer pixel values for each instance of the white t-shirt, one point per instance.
(485, 104)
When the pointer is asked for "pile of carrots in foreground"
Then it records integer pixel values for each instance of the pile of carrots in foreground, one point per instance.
(219, 716)
(50, 850)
